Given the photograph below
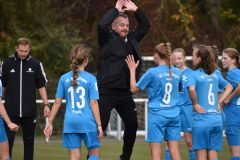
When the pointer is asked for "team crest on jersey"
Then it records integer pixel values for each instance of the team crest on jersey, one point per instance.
(30, 70)
(184, 77)
(12, 71)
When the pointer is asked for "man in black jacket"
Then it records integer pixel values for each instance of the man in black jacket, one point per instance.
(21, 75)
(113, 74)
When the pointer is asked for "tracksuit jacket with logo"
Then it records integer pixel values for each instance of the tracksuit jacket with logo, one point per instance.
(21, 78)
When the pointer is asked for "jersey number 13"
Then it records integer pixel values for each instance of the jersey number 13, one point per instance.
(80, 93)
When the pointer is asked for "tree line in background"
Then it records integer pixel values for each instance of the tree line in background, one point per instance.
(54, 26)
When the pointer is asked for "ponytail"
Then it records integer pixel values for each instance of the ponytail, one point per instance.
(75, 74)
(215, 54)
(79, 54)
(169, 53)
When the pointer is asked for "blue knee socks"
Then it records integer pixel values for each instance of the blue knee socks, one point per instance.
(167, 154)
(93, 157)
(192, 154)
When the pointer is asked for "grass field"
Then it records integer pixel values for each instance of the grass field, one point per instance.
(110, 150)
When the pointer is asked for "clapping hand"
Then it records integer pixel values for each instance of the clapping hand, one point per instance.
(119, 5)
(126, 5)
(129, 6)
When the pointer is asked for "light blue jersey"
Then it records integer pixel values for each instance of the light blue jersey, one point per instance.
(0, 88)
(207, 97)
(219, 73)
(220, 90)
(3, 136)
(232, 109)
(184, 98)
(185, 103)
(233, 77)
(0, 92)
(78, 117)
(163, 91)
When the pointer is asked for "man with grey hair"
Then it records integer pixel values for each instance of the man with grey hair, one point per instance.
(116, 42)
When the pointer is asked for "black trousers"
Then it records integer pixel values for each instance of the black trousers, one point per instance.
(123, 102)
(28, 125)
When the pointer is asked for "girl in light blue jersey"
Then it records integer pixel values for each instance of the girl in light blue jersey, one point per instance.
(185, 102)
(4, 149)
(220, 90)
(162, 84)
(203, 90)
(81, 119)
(230, 61)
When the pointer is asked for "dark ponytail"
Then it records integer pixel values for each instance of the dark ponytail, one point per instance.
(169, 53)
(80, 53)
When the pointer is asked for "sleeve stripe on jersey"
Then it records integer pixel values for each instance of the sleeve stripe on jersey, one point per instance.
(44, 74)
(232, 80)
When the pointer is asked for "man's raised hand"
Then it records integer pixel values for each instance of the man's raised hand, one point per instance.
(119, 5)
(129, 6)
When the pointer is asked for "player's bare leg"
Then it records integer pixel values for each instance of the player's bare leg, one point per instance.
(174, 150)
(155, 151)
(74, 154)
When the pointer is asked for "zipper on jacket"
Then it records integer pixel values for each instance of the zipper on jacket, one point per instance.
(21, 89)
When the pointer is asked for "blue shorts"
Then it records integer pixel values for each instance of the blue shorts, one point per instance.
(74, 140)
(162, 128)
(186, 118)
(233, 135)
(207, 138)
(3, 136)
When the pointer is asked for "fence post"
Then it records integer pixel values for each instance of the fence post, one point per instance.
(146, 117)
(119, 127)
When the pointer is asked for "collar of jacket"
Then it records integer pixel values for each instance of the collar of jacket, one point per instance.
(16, 58)
(125, 39)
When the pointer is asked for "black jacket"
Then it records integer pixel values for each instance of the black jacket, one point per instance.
(113, 72)
(20, 79)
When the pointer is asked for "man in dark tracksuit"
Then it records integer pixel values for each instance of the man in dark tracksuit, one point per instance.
(113, 74)
(21, 75)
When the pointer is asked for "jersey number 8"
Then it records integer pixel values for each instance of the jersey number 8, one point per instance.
(167, 94)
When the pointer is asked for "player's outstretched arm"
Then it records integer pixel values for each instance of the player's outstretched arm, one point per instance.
(132, 68)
